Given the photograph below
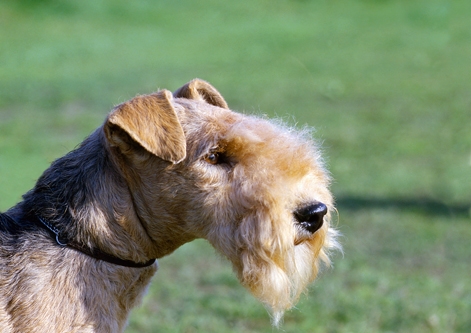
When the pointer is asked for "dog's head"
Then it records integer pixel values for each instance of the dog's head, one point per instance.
(257, 190)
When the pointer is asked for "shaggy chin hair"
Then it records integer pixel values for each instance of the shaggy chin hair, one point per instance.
(279, 278)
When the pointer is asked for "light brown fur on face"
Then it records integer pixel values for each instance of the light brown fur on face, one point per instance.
(163, 170)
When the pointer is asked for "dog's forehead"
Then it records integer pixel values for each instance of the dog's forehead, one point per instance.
(202, 112)
(210, 124)
(247, 137)
(203, 120)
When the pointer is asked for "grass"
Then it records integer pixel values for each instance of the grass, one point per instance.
(385, 83)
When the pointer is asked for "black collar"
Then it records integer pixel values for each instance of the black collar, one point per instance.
(90, 251)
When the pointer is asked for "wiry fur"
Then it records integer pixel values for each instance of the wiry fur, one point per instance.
(142, 185)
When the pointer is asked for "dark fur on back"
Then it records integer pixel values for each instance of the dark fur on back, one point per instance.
(68, 184)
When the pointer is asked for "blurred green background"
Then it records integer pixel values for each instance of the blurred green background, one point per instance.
(386, 84)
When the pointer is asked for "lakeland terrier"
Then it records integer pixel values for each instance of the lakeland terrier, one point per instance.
(164, 169)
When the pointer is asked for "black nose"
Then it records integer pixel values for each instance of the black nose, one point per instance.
(311, 217)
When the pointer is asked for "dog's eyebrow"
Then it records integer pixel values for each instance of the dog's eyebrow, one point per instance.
(218, 148)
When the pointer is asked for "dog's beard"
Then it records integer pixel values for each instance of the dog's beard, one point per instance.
(279, 283)
(271, 266)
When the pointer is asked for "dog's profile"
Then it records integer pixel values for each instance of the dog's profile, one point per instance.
(77, 253)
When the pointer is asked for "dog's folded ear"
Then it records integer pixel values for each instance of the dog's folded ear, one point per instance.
(151, 121)
(202, 90)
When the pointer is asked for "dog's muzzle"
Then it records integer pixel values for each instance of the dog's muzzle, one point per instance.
(311, 217)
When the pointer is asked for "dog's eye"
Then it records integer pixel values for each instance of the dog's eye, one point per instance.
(213, 158)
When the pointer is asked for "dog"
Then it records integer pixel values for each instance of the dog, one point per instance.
(78, 252)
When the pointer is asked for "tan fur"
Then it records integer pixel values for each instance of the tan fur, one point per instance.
(145, 183)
